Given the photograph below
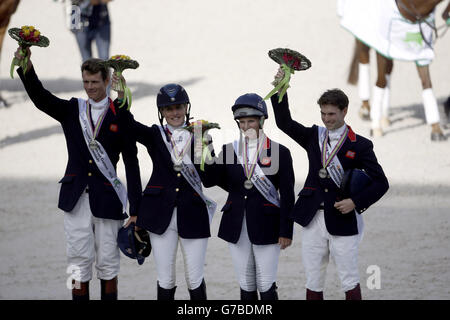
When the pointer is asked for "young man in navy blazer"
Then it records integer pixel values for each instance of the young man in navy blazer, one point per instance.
(332, 225)
(92, 197)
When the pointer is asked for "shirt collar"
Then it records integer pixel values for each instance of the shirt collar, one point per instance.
(336, 133)
(172, 128)
(99, 105)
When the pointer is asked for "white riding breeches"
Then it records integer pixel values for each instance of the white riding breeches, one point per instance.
(255, 265)
(90, 238)
(164, 248)
(318, 245)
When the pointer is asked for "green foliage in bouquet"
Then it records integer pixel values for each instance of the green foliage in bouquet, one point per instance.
(204, 126)
(119, 63)
(290, 61)
(26, 36)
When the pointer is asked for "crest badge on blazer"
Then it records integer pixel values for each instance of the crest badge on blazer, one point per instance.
(265, 161)
(350, 154)
(113, 127)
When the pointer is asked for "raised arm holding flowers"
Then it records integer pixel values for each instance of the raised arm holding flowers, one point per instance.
(289, 61)
(26, 36)
(119, 63)
(173, 209)
(94, 200)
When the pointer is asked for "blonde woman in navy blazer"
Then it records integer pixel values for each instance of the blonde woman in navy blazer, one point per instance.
(256, 227)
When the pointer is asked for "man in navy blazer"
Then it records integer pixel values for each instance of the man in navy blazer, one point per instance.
(332, 225)
(94, 208)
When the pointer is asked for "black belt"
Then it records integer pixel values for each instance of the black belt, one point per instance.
(87, 190)
(321, 207)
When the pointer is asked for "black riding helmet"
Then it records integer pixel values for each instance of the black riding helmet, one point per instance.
(172, 94)
(250, 105)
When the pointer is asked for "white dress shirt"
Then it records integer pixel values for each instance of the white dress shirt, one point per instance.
(97, 108)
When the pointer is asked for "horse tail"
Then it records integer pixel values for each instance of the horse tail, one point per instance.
(353, 70)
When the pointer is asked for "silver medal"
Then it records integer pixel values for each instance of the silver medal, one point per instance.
(93, 144)
(248, 184)
(323, 173)
(177, 167)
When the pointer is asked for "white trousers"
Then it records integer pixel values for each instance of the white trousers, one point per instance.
(255, 265)
(89, 239)
(164, 248)
(318, 245)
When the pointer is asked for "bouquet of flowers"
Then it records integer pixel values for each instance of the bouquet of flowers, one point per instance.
(26, 36)
(290, 61)
(119, 63)
(201, 127)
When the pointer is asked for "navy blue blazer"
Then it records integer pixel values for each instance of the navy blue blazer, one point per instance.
(356, 152)
(167, 189)
(265, 221)
(81, 170)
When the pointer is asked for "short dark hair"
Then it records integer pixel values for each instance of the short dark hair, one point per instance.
(335, 97)
(93, 66)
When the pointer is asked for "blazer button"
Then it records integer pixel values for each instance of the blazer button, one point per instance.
(177, 189)
(90, 161)
(245, 197)
(89, 174)
(178, 175)
(326, 190)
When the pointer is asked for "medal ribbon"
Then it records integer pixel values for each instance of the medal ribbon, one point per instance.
(100, 156)
(259, 179)
(248, 170)
(95, 130)
(179, 155)
(190, 173)
(326, 161)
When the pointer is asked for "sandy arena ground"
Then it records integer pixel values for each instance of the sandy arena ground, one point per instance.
(218, 50)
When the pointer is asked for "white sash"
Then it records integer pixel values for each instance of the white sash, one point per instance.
(334, 168)
(191, 175)
(260, 181)
(100, 156)
(337, 174)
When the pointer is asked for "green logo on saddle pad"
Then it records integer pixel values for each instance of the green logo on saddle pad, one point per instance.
(116, 183)
(414, 37)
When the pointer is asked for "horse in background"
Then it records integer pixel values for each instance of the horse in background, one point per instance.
(419, 13)
(7, 8)
(359, 75)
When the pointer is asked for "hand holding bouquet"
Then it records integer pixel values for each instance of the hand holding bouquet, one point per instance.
(119, 63)
(289, 61)
(26, 36)
(199, 128)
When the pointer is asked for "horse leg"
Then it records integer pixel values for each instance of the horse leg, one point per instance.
(378, 95)
(430, 104)
(3, 28)
(387, 95)
(7, 8)
(364, 79)
(353, 70)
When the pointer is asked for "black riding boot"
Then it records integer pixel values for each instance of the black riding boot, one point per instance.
(199, 293)
(165, 294)
(249, 295)
(354, 294)
(108, 289)
(82, 293)
(314, 295)
(270, 294)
